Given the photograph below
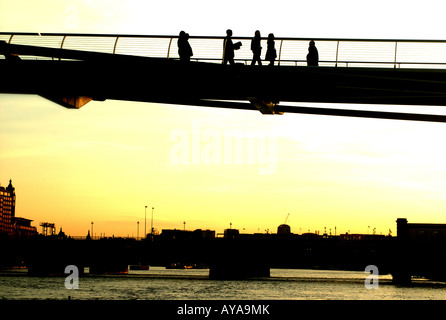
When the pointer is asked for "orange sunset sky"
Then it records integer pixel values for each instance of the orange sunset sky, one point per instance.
(107, 161)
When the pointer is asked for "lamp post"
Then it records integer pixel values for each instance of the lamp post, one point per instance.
(92, 229)
(145, 222)
(152, 220)
(137, 230)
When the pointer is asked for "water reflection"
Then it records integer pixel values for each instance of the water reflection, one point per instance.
(193, 284)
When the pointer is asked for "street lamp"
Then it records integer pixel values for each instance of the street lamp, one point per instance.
(137, 230)
(152, 220)
(92, 229)
(145, 222)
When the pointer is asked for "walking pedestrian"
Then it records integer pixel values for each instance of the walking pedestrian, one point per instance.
(256, 49)
(271, 53)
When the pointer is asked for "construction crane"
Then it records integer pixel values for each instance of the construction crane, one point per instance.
(286, 219)
(48, 228)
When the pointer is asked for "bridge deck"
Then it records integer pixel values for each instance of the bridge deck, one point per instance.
(392, 53)
(108, 71)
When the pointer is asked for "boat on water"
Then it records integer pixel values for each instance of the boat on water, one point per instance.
(139, 267)
(178, 265)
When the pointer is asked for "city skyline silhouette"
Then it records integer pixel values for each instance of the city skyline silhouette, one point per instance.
(156, 151)
(105, 162)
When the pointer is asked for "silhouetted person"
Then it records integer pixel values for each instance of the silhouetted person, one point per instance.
(229, 47)
(184, 48)
(313, 55)
(256, 49)
(271, 50)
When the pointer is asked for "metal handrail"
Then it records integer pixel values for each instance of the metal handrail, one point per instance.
(213, 53)
(212, 37)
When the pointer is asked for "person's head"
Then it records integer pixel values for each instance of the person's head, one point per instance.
(257, 33)
(229, 32)
(271, 36)
(182, 34)
(312, 44)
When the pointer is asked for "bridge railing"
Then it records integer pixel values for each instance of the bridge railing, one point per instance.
(391, 53)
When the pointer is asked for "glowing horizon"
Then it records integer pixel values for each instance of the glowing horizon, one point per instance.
(107, 161)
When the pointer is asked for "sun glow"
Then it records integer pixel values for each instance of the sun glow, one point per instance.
(108, 160)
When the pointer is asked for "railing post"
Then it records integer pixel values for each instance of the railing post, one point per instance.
(337, 52)
(63, 41)
(10, 38)
(280, 50)
(394, 61)
(168, 50)
(116, 43)
(61, 45)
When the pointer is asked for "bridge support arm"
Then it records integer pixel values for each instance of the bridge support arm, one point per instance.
(75, 102)
(265, 107)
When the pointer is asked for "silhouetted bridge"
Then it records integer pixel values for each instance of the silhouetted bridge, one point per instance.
(73, 69)
(419, 250)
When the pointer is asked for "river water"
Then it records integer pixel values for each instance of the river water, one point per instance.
(193, 284)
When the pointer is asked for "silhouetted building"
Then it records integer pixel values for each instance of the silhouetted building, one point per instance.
(360, 236)
(231, 233)
(7, 209)
(23, 228)
(197, 234)
(61, 234)
(283, 229)
(420, 232)
(310, 236)
(204, 234)
(10, 225)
